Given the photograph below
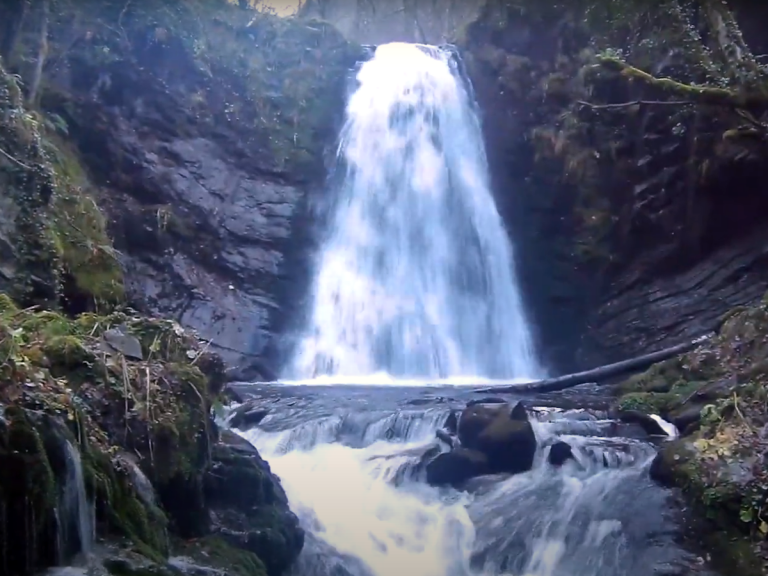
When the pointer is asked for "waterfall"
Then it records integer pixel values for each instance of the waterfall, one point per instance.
(74, 510)
(416, 277)
(415, 284)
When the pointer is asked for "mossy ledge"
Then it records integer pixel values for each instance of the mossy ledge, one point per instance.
(717, 396)
(133, 394)
(60, 241)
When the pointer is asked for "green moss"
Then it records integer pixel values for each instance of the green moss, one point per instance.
(80, 231)
(65, 352)
(660, 377)
(120, 507)
(215, 552)
(85, 248)
(46, 324)
(157, 407)
(647, 402)
(59, 229)
(27, 491)
(7, 306)
(31, 185)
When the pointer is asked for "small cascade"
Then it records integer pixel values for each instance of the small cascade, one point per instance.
(139, 480)
(353, 471)
(75, 513)
(363, 519)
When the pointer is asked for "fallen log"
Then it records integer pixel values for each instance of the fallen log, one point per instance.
(599, 374)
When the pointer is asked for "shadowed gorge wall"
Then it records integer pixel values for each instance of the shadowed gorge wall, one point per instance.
(424, 21)
(640, 220)
(195, 135)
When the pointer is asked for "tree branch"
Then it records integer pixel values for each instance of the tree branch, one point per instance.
(15, 160)
(599, 374)
(635, 103)
(42, 53)
(699, 94)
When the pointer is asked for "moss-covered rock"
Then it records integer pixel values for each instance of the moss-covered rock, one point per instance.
(153, 401)
(215, 552)
(719, 391)
(57, 232)
(120, 508)
(250, 507)
(27, 496)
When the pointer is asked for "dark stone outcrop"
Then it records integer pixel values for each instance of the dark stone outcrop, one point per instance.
(206, 162)
(456, 467)
(247, 416)
(559, 453)
(492, 439)
(249, 507)
(643, 313)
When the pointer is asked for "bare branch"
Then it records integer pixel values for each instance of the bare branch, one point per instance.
(15, 160)
(635, 103)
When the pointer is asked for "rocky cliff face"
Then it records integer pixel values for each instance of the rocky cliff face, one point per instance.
(424, 21)
(640, 225)
(200, 132)
(107, 442)
(639, 219)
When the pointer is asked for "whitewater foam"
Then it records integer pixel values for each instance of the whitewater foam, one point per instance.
(416, 278)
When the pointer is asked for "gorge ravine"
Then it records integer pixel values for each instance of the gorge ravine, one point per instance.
(416, 287)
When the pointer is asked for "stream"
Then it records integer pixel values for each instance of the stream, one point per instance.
(351, 461)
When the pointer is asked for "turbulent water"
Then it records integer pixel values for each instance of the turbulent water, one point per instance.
(415, 284)
(416, 278)
(350, 461)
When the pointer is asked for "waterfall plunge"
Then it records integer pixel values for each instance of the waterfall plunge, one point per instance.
(416, 279)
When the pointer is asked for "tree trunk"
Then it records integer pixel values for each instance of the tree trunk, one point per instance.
(14, 12)
(42, 54)
(599, 374)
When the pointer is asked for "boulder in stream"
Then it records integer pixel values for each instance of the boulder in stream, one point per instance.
(248, 505)
(505, 437)
(492, 439)
(559, 453)
(456, 467)
(248, 416)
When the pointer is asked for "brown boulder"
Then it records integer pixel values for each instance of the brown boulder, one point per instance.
(505, 437)
(456, 467)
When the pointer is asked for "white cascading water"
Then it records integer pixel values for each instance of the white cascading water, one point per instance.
(353, 477)
(415, 285)
(75, 510)
(416, 279)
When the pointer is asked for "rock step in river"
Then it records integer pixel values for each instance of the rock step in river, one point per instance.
(371, 473)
